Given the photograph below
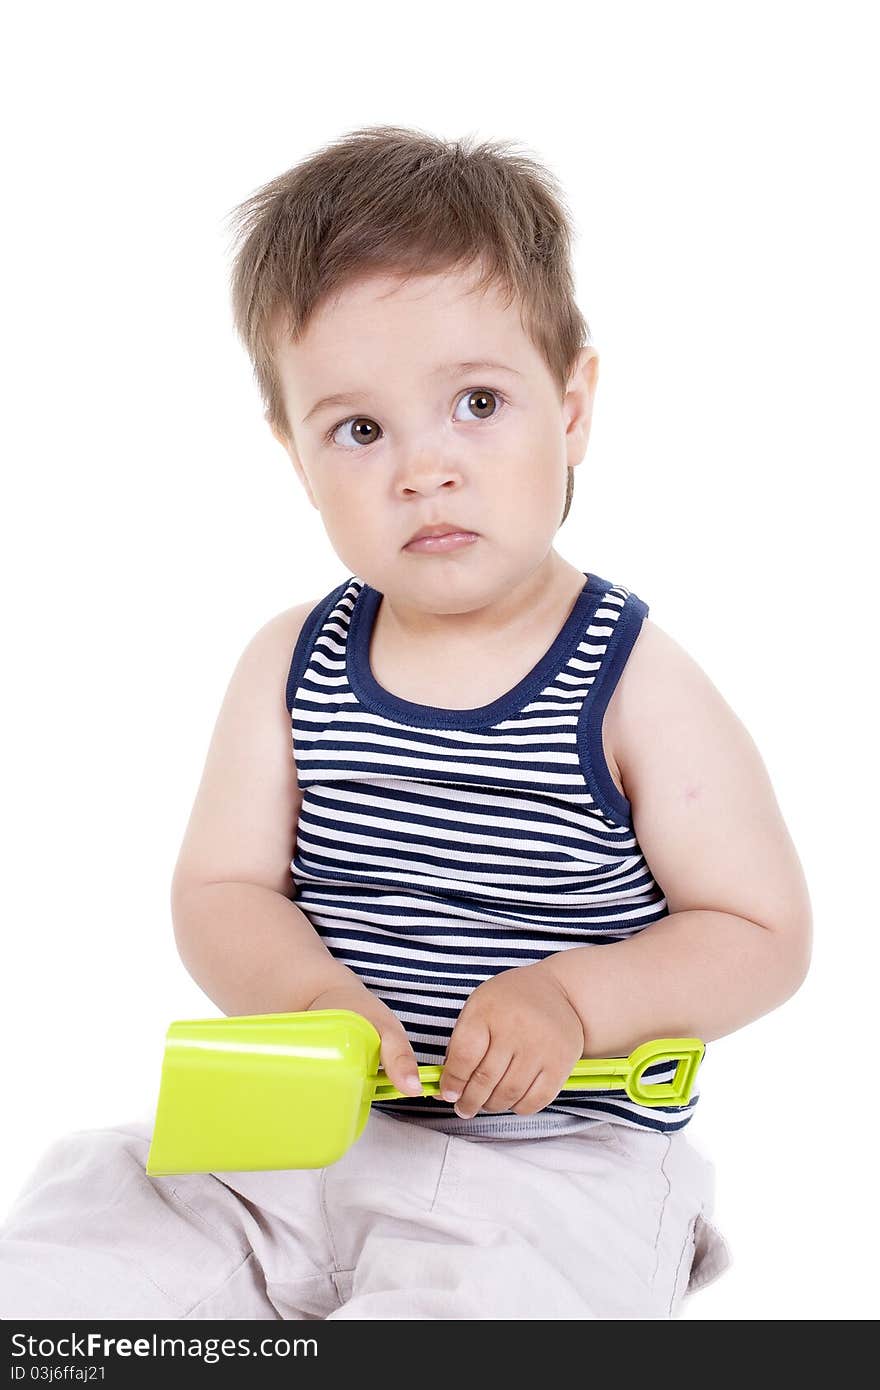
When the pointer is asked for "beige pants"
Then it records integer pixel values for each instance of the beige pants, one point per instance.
(610, 1222)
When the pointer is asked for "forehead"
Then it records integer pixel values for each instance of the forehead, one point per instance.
(388, 325)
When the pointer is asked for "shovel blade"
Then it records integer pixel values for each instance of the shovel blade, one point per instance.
(264, 1091)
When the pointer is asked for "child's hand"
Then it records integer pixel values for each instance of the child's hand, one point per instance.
(396, 1056)
(514, 1044)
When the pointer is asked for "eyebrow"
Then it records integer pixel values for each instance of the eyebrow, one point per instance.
(445, 369)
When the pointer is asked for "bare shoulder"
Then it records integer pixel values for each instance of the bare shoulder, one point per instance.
(655, 657)
(704, 809)
(278, 636)
(260, 676)
(659, 676)
(242, 826)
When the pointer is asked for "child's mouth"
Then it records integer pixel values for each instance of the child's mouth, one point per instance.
(452, 540)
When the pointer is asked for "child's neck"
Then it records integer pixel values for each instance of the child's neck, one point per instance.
(543, 599)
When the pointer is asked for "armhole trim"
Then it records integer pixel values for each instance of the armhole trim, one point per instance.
(589, 731)
(303, 647)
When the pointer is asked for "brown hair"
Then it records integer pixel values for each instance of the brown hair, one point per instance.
(389, 199)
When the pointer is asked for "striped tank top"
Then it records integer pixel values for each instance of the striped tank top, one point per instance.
(436, 847)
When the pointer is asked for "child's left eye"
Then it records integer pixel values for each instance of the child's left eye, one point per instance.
(480, 399)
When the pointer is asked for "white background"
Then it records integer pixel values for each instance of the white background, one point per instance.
(720, 167)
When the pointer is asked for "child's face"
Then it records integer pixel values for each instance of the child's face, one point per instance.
(406, 444)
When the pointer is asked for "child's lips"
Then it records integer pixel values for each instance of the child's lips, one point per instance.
(452, 540)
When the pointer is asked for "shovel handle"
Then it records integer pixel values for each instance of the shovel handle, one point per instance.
(603, 1074)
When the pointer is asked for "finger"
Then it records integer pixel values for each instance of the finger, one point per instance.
(539, 1094)
(512, 1087)
(467, 1048)
(484, 1079)
(399, 1063)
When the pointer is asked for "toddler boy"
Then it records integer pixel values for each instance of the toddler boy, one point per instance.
(430, 795)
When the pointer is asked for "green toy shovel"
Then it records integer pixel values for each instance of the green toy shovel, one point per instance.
(294, 1090)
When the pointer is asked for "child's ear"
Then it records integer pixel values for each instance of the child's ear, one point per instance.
(279, 435)
(578, 404)
(289, 449)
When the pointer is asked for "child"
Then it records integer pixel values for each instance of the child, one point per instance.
(498, 764)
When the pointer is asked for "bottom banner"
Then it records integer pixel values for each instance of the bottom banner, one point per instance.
(131, 1353)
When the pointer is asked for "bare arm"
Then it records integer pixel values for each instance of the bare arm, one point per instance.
(252, 950)
(243, 940)
(737, 942)
(239, 934)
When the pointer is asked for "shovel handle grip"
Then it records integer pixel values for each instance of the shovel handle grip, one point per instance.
(603, 1074)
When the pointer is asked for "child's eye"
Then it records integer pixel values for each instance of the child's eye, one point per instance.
(361, 430)
(479, 400)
